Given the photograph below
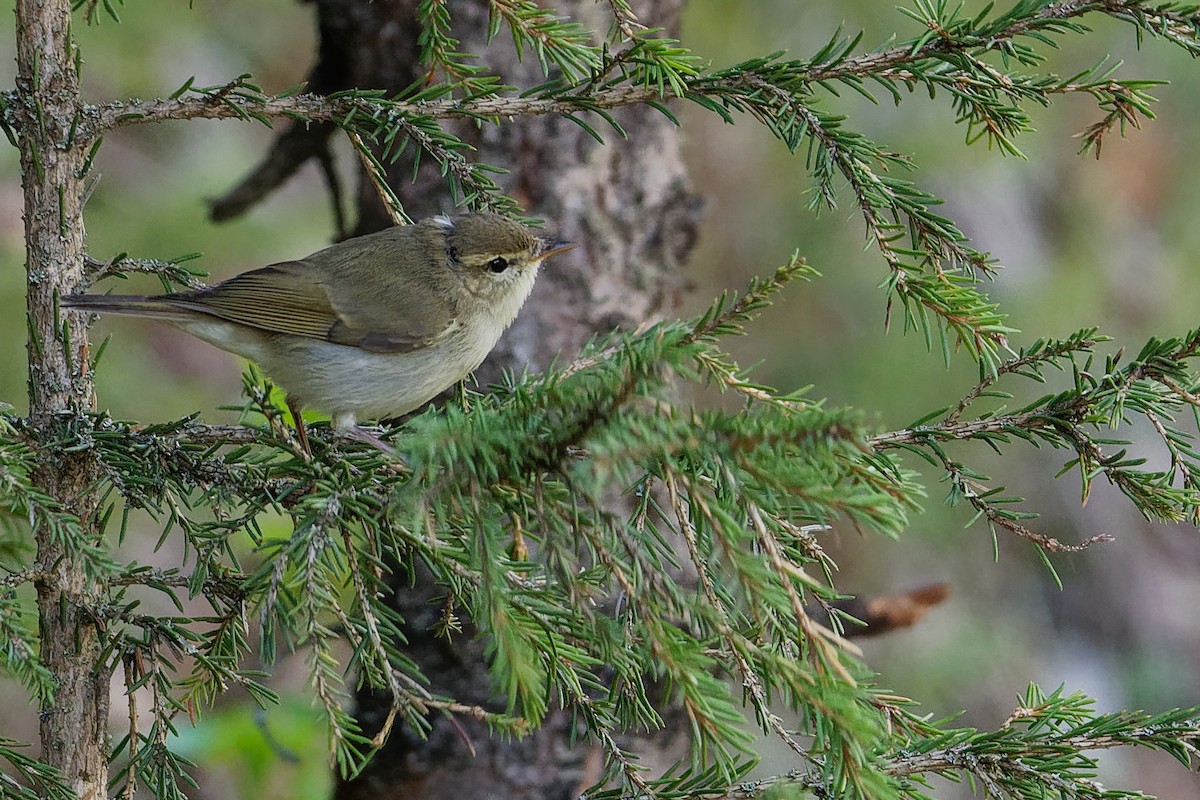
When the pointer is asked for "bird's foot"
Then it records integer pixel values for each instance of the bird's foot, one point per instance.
(364, 435)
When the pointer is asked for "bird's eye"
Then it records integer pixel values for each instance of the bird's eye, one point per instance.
(497, 264)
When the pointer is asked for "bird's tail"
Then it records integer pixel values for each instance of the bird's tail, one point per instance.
(132, 305)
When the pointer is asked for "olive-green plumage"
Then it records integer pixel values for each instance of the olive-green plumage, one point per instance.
(373, 326)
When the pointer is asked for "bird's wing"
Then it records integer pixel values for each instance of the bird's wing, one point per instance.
(273, 299)
(283, 298)
(390, 341)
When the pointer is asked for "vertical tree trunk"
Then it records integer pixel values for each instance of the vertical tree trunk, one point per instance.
(74, 725)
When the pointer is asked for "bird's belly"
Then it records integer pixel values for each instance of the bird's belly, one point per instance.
(349, 380)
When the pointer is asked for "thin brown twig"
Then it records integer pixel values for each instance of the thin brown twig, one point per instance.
(130, 663)
(391, 203)
(971, 491)
(1191, 399)
(1009, 367)
(325, 109)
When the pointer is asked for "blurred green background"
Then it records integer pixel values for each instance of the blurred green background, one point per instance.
(1084, 242)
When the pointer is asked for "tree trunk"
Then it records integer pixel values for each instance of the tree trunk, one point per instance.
(74, 723)
(629, 206)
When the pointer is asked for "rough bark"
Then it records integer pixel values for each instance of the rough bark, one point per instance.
(629, 206)
(73, 725)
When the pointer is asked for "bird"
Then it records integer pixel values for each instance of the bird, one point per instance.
(369, 328)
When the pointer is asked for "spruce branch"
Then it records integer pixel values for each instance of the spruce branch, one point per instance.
(21, 499)
(439, 50)
(18, 654)
(376, 657)
(1044, 748)
(334, 108)
(1045, 744)
(304, 584)
(625, 18)
(28, 777)
(241, 98)
(992, 506)
(172, 273)
(1153, 385)
(731, 641)
(554, 41)
(1029, 362)
(949, 31)
(91, 9)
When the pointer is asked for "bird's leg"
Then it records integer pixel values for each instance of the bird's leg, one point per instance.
(301, 431)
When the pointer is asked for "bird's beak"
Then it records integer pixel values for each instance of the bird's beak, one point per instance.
(550, 247)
